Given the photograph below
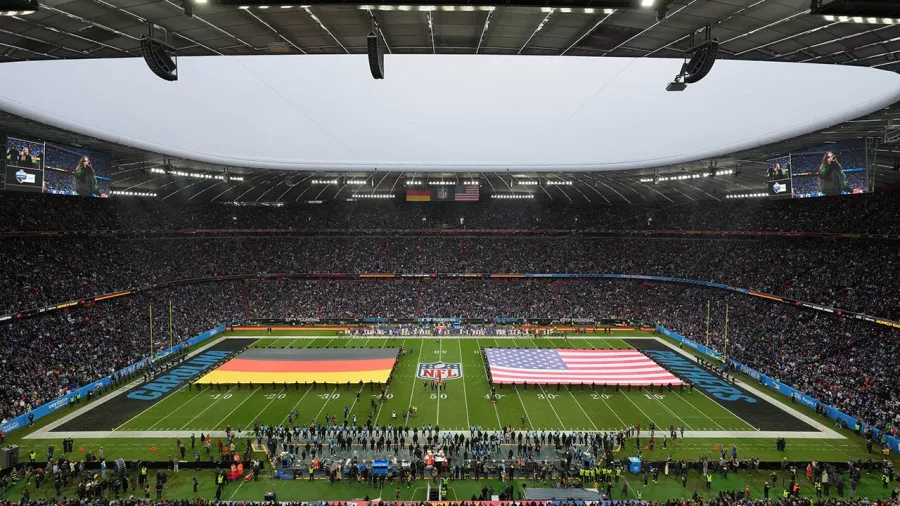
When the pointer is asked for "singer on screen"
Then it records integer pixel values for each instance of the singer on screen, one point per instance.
(831, 175)
(85, 178)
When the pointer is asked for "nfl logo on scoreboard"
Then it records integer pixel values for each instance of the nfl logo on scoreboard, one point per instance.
(442, 193)
(440, 371)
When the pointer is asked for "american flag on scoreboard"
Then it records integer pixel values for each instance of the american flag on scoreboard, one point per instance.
(545, 366)
(468, 193)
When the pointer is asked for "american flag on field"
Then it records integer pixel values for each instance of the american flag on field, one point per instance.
(468, 193)
(603, 367)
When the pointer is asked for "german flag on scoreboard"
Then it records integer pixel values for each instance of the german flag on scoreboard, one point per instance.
(261, 365)
(418, 195)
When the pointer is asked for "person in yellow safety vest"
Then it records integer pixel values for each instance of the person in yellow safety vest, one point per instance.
(640, 494)
(311, 471)
(708, 481)
(818, 486)
(618, 473)
(32, 456)
(446, 482)
(785, 493)
(885, 480)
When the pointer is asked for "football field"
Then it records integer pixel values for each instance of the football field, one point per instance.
(462, 403)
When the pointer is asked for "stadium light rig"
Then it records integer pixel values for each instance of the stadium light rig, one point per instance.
(196, 175)
(18, 7)
(373, 195)
(513, 196)
(872, 12)
(746, 195)
(132, 194)
(324, 181)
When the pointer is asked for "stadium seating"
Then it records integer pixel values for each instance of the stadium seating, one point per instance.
(52, 352)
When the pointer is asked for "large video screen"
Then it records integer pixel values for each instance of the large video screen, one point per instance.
(75, 171)
(24, 165)
(778, 176)
(832, 169)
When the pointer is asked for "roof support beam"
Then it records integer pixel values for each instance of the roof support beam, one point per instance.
(142, 20)
(654, 25)
(585, 34)
(487, 22)
(431, 30)
(540, 27)
(276, 32)
(321, 24)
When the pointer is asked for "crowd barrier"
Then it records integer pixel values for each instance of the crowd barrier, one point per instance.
(787, 391)
(61, 402)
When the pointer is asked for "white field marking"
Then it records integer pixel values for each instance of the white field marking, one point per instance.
(683, 398)
(183, 404)
(582, 409)
(628, 346)
(386, 388)
(308, 389)
(437, 418)
(236, 490)
(236, 407)
(211, 404)
(613, 411)
(415, 380)
(704, 434)
(527, 416)
(610, 407)
(120, 391)
(256, 416)
(465, 396)
(571, 394)
(326, 403)
(561, 424)
(764, 396)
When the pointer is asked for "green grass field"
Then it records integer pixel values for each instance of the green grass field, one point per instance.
(463, 404)
(151, 435)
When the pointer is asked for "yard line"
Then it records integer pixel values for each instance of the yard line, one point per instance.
(698, 410)
(183, 404)
(524, 410)
(561, 424)
(465, 396)
(236, 407)
(570, 393)
(203, 411)
(670, 411)
(626, 395)
(326, 403)
(256, 416)
(386, 387)
(582, 409)
(413, 390)
(295, 405)
(236, 490)
(437, 418)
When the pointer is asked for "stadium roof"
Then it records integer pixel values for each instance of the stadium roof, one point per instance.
(137, 171)
(769, 30)
(777, 30)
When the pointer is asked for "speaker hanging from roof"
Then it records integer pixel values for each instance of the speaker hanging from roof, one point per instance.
(698, 62)
(376, 54)
(160, 57)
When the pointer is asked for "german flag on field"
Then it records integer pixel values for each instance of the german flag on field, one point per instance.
(260, 365)
(418, 195)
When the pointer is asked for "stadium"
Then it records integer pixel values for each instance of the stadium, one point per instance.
(580, 253)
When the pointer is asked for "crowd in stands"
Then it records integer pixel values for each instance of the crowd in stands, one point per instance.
(867, 213)
(842, 362)
(854, 275)
(675, 502)
(846, 363)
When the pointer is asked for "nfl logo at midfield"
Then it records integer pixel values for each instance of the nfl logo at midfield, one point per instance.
(440, 371)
